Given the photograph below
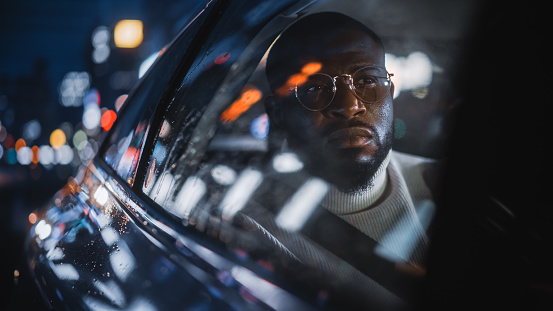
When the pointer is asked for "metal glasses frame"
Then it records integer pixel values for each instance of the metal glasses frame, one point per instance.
(348, 79)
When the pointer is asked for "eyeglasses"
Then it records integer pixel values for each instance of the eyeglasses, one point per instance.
(369, 84)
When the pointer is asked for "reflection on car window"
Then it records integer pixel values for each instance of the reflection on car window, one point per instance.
(125, 143)
(281, 144)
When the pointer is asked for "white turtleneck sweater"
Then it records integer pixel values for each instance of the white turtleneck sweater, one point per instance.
(395, 211)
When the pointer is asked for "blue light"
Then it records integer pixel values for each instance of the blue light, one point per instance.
(260, 127)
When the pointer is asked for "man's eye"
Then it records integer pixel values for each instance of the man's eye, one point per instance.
(317, 88)
(366, 81)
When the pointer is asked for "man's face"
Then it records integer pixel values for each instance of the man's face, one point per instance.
(347, 141)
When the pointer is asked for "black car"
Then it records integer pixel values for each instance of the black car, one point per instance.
(195, 202)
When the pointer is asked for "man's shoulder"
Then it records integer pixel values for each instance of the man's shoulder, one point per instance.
(417, 168)
(408, 160)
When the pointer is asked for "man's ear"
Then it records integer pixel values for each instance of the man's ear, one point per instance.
(274, 111)
(392, 88)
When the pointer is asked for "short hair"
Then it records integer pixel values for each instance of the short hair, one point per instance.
(325, 27)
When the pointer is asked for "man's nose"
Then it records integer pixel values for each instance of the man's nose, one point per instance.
(345, 105)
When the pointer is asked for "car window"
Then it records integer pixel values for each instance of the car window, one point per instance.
(306, 139)
(123, 147)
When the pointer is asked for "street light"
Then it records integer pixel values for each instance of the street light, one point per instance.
(128, 33)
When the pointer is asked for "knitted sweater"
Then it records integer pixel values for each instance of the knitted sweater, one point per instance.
(395, 211)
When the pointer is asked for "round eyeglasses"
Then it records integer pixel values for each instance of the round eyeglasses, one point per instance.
(369, 84)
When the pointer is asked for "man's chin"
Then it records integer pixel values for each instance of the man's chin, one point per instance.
(351, 170)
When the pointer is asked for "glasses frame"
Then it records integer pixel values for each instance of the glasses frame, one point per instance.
(348, 79)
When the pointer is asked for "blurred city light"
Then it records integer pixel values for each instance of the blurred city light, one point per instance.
(100, 40)
(302, 204)
(73, 87)
(24, 155)
(411, 72)
(35, 154)
(63, 155)
(223, 175)
(3, 133)
(91, 117)
(222, 58)
(92, 113)
(260, 127)
(43, 229)
(78, 139)
(46, 155)
(128, 33)
(146, 64)
(19, 144)
(31, 130)
(57, 138)
(119, 102)
(287, 162)
(107, 119)
(250, 95)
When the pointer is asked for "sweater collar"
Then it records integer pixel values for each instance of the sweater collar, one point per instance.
(343, 203)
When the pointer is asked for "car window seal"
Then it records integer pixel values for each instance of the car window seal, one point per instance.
(184, 65)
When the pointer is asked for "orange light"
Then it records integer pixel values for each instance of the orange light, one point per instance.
(250, 95)
(33, 218)
(57, 139)
(311, 68)
(107, 119)
(128, 33)
(35, 154)
(20, 143)
(222, 58)
(293, 80)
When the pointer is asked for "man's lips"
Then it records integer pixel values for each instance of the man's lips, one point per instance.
(351, 137)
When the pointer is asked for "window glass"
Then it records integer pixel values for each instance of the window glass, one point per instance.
(310, 141)
(123, 147)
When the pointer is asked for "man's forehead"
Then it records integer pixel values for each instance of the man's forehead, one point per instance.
(332, 39)
(350, 51)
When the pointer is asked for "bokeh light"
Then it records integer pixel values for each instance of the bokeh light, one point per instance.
(11, 156)
(63, 155)
(79, 137)
(19, 144)
(3, 133)
(57, 138)
(24, 155)
(31, 130)
(250, 95)
(107, 119)
(73, 87)
(146, 64)
(411, 72)
(35, 154)
(46, 155)
(120, 101)
(91, 117)
(128, 33)
(100, 40)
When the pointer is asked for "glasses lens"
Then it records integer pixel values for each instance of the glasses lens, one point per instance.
(371, 84)
(316, 92)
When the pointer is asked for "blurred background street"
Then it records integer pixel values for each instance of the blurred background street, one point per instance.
(65, 69)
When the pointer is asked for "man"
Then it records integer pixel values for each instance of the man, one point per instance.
(332, 106)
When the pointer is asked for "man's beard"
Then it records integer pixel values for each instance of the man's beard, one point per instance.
(340, 169)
